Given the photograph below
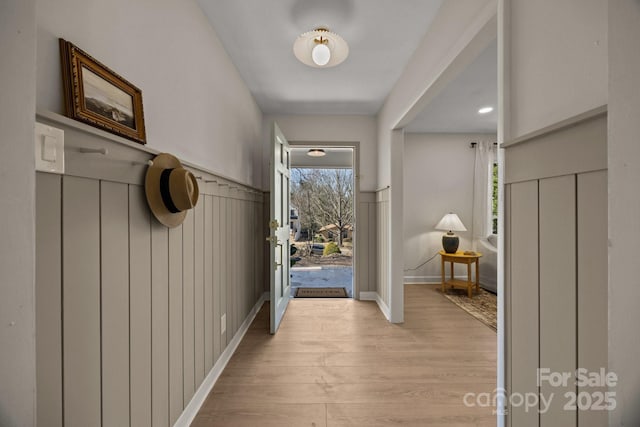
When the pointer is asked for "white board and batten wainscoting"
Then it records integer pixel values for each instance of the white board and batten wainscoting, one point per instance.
(135, 321)
(556, 265)
(367, 246)
(373, 245)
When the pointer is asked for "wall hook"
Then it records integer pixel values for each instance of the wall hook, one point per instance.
(102, 151)
(145, 163)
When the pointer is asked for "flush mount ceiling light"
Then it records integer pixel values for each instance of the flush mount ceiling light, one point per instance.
(316, 152)
(485, 110)
(320, 48)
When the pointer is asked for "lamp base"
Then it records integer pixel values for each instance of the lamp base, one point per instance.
(450, 243)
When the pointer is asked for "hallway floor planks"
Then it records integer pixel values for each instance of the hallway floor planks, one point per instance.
(338, 362)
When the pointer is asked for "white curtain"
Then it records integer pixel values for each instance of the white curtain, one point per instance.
(485, 157)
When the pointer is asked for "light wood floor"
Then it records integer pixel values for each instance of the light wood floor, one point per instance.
(338, 362)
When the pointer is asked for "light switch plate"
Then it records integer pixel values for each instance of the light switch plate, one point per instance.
(49, 149)
(49, 143)
(223, 323)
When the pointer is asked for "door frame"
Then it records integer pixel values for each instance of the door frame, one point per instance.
(355, 145)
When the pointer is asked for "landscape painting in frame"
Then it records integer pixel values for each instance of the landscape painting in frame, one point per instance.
(98, 96)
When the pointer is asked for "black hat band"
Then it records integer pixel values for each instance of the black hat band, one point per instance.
(165, 192)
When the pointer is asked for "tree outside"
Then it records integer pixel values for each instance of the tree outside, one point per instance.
(324, 201)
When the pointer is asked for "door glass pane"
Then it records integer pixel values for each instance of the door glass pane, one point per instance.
(282, 218)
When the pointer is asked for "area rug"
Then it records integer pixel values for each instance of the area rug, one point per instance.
(483, 306)
(321, 293)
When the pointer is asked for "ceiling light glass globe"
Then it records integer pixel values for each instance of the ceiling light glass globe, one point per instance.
(321, 54)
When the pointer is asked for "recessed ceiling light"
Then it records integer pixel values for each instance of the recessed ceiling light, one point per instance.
(485, 110)
(316, 152)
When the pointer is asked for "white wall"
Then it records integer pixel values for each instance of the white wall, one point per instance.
(461, 30)
(558, 61)
(454, 27)
(438, 178)
(195, 103)
(624, 206)
(557, 65)
(17, 233)
(330, 129)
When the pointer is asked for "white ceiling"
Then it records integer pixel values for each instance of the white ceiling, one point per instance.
(334, 158)
(455, 109)
(259, 35)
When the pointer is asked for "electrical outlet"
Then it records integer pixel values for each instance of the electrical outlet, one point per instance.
(223, 323)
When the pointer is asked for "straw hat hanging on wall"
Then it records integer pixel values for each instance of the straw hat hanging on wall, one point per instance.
(171, 190)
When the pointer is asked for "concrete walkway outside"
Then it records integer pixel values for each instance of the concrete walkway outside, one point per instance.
(332, 276)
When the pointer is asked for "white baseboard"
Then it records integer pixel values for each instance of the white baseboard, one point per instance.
(419, 280)
(422, 282)
(384, 308)
(410, 280)
(373, 296)
(368, 296)
(190, 412)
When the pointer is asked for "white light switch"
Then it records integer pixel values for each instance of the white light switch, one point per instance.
(49, 148)
(223, 323)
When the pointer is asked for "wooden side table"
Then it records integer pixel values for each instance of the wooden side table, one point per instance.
(460, 258)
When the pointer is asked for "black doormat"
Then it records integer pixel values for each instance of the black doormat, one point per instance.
(321, 293)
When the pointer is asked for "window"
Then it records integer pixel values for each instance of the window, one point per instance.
(494, 198)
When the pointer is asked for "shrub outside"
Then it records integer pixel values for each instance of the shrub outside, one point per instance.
(331, 248)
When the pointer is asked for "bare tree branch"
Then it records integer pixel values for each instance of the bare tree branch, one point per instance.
(323, 197)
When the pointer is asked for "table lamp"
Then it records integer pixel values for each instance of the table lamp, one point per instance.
(450, 223)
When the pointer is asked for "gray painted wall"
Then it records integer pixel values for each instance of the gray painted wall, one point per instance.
(556, 261)
(383, 246)
(129, 311)
(367, 242)
(624, 205)
(570, 39)
(17, 190)
(436, 61)
(590, 54)
(438, 178)
(314, 128)
(195, 102)
(212, 121)
(460, 31)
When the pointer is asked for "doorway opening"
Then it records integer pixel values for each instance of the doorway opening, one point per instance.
(322, 222)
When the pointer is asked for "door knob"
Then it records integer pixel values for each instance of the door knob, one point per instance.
(274, 239)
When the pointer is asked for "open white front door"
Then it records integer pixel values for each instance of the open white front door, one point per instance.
(279, 227)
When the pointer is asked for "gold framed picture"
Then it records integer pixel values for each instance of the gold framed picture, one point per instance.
(98, 96)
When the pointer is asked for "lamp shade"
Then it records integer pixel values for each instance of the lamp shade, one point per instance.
(450, 222)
